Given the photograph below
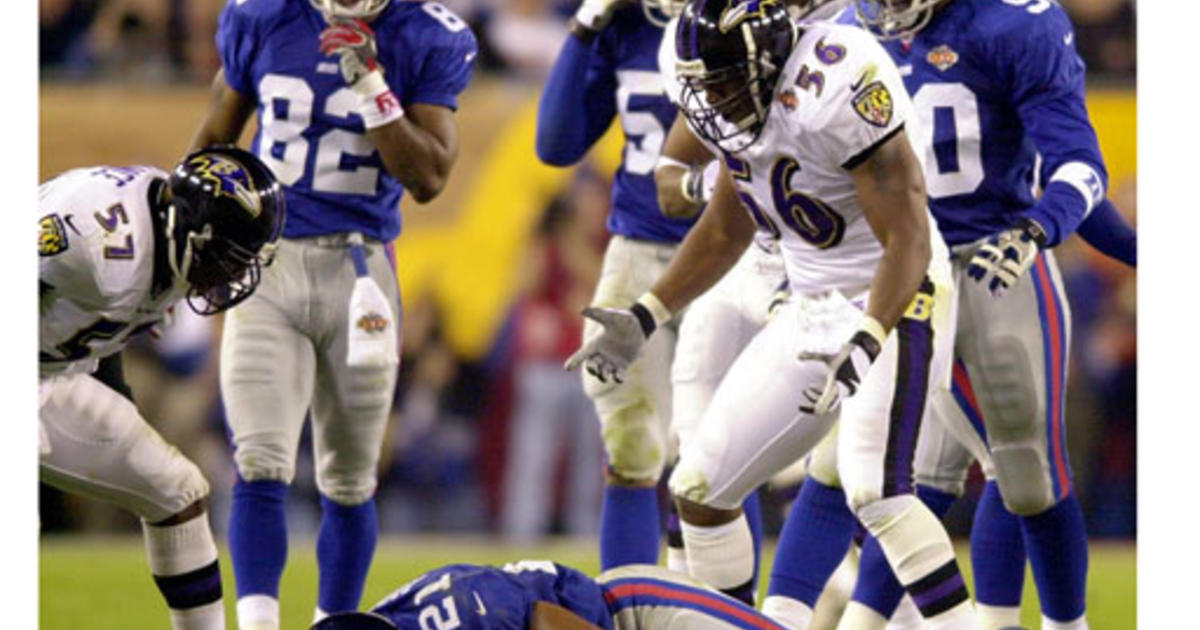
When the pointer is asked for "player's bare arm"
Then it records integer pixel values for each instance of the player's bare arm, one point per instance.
(711, 248)
(547, 616)
(419, 149)
(417, 144)
(679, 174)
(891, 190)
(228, 111)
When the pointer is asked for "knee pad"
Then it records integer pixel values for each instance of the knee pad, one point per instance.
(347, 487)
(689, 481)
(634, 443)
(1023, 474)
(911, 536)
(264, 460)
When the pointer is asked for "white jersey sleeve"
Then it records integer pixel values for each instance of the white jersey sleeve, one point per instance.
(95, 264)
(865, 99)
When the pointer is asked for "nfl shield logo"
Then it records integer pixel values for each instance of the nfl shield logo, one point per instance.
(942, 57)
(874, 104)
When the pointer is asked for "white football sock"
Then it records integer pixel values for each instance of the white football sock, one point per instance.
(859, 616)
(792, 614)
(258, 612)
(906, 616)
(721, 556)
(997, 617)
(961, 617)
(177, 550)
(1077, 624)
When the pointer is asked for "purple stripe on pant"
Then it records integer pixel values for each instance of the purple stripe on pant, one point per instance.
(908, 404)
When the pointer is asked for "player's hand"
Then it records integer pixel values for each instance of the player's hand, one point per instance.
(609, 353)
(1006, 256)
(594, 15)
(353, 42)
(846, 369)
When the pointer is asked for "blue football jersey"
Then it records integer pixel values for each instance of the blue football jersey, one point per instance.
(309, 131)
(474, 597)
(998, 85)
(625, 66)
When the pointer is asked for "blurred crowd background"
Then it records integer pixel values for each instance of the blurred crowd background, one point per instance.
(489, 435)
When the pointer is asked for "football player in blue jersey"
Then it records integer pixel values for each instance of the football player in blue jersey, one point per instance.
(355, 102)
(999, 86)
(543, 595)
(607, 67)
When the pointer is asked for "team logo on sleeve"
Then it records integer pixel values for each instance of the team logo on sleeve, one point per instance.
(229, 179)
(874, 104)
(942, 57)
(52, 236)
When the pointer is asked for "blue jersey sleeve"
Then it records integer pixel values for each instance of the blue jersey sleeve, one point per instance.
(1046, 76)
(236, 45)
(1107, 231)
(571, 119)
(446, 69)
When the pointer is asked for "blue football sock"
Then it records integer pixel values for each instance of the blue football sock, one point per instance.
(753, 511)
(997, 551)
(629, 526)
(345, 546)
(877, 586)
(1056, 541)
(815, 538)
(258, 536)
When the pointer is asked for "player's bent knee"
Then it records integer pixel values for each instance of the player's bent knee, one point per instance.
(1025, 493)
(259, 460)
(181, 488)
(635, 445)
(347, 490)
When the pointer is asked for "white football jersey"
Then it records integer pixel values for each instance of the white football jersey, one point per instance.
(839, 96)
(95, 265)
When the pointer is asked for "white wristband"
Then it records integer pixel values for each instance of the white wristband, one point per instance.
(872, 327)
(378, 105)
(658, 310)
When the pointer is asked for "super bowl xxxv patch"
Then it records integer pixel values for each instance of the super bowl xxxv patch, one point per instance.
(874, 104)
(52, 236)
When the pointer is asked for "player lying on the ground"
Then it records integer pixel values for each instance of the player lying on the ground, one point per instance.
(543, 595)
(117, 248)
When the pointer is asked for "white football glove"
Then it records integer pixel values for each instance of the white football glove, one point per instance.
(595, 14)
(625, 331)
(846, 368)
(1006, 256)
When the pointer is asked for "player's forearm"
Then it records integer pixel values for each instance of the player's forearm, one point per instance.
(417, 158)
(899, 274)
(891, 191)
(568, 120)
(1106, 230)
(710, 249)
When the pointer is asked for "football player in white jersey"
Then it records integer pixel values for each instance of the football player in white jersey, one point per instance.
(811, 123)
(722, 321)
(117, 247)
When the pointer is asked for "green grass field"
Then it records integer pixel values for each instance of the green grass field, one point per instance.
(103, 584)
